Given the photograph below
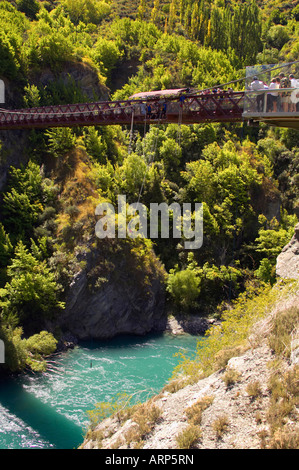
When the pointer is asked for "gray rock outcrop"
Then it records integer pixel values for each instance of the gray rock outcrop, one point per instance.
(287, 264)
(123, 304)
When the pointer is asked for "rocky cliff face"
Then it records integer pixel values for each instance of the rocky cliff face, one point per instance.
(122, 304)
(85, 77)
(287, 265)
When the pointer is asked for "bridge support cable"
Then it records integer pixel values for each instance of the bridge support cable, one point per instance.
(150, 161)
(131, 132)
(180, 119)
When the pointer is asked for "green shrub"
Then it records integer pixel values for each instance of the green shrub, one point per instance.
(184, 287)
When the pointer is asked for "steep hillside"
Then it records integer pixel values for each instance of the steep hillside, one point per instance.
(241, 394)
(55, 274)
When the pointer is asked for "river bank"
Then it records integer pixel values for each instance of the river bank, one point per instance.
(93, 371)
(195, 325)
(235, 407)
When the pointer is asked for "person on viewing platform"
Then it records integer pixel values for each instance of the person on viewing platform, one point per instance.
(285, 82)
(294, 94)
(273, 97)
(257, 85)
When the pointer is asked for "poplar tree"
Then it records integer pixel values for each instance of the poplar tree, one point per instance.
(141, 10)
(172, 16)
(155, 14)
(245, 29)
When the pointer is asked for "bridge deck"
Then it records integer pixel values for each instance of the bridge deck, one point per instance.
(189, 110)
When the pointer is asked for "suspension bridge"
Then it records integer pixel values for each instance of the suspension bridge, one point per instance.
(178, 107)
(181, 106)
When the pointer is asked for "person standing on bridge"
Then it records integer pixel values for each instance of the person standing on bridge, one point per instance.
(143, 109)
(164, 109)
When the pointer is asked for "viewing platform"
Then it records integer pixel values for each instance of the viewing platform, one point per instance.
(272, 95)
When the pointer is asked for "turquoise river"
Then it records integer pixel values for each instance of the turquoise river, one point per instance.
(48, 410)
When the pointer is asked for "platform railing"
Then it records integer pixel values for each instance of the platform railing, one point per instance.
(278, 101)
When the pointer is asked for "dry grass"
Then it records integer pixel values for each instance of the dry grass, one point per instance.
(284, 323)
(187, 438)
(231, 376)
(194, 412)
(220, 425)
(145, 415)
(254, 389)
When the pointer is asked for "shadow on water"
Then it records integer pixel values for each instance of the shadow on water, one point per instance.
(54, 428)
(120, 342)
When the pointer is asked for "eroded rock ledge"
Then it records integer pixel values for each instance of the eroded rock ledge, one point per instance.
(287, 264)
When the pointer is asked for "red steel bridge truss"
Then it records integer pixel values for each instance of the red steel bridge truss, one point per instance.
(183, 109)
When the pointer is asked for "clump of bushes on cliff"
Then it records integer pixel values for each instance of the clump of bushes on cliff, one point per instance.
(230, 337)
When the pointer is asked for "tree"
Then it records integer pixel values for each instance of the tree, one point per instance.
(155, 13)
(171, 154)
(244, 31)
(21, 353)
(88, 11)
(23, 200)
(277, 36)
(6, 248)
(9, 63)
(32, 96)
(31, 291)
(141, 10)
(106, 54)
(266, 271)
(60, 140)
(132, 173)
(172, 16)
(184, 287)
(95, 145)
(29, 7)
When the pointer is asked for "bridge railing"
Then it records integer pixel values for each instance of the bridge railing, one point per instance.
(188, 108)
(276, 101)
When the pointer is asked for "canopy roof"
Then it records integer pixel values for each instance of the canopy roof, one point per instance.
(152, 94)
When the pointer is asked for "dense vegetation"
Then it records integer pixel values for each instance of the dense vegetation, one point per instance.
(237, 172)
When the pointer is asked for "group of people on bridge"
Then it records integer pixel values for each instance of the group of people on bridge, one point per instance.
(273, 100)
(154, 110)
